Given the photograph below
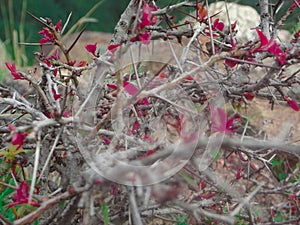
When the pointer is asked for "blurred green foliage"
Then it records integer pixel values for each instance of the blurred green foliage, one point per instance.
(17, 26)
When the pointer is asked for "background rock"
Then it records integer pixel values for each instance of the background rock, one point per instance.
(247, 20)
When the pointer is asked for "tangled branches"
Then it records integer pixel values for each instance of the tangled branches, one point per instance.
(158, 128)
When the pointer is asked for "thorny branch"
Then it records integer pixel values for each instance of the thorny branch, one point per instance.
(48, 136)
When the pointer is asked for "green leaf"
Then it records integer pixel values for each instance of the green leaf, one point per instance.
(62, 204)
(278, 218)
(215, 154)
(105, 213)
(188, 179)
(181, 220)
(281, 176)
(277, 163)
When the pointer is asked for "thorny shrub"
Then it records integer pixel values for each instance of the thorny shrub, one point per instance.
(44, 178)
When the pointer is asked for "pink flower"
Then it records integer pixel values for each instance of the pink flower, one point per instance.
(147, 18)
(48, 36)
(55, 94)
(92, 48)
(13, 70)
(22, 196)
(145, 38)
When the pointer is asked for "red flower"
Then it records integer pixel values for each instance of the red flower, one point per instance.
(270, 46)
(48, 36)
(231, 63)
(218, 25)
(189, 78)
(55, 94)
(112, 48)
(147, 18)
(239, 174)
(92, 48)
(233, 26)
(13, 70)
(112, 86)
(11, 127)
(132, 90)
(249, 95)
(163, 75)
(82, 63)
(145, 38)
(135, 127)
(150, 152)
(47, 62)
(72, 63)
(17, 138)
(208, 196)
(58, 26)
(106, 140)
(293, 104)
(66, 114)
(220, 123)
(22, 196)
(293, 6)
(297, 34)
(56, 55)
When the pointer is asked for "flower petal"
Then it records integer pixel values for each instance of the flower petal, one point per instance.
(113, 47)
(55, 94)
(239, 172)
(293, 103)
(263, 39)
(18, 139)
(130, 88)
(145, 38)
(91, 48)
(58, 25)
(13, 70)
(112, 86)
